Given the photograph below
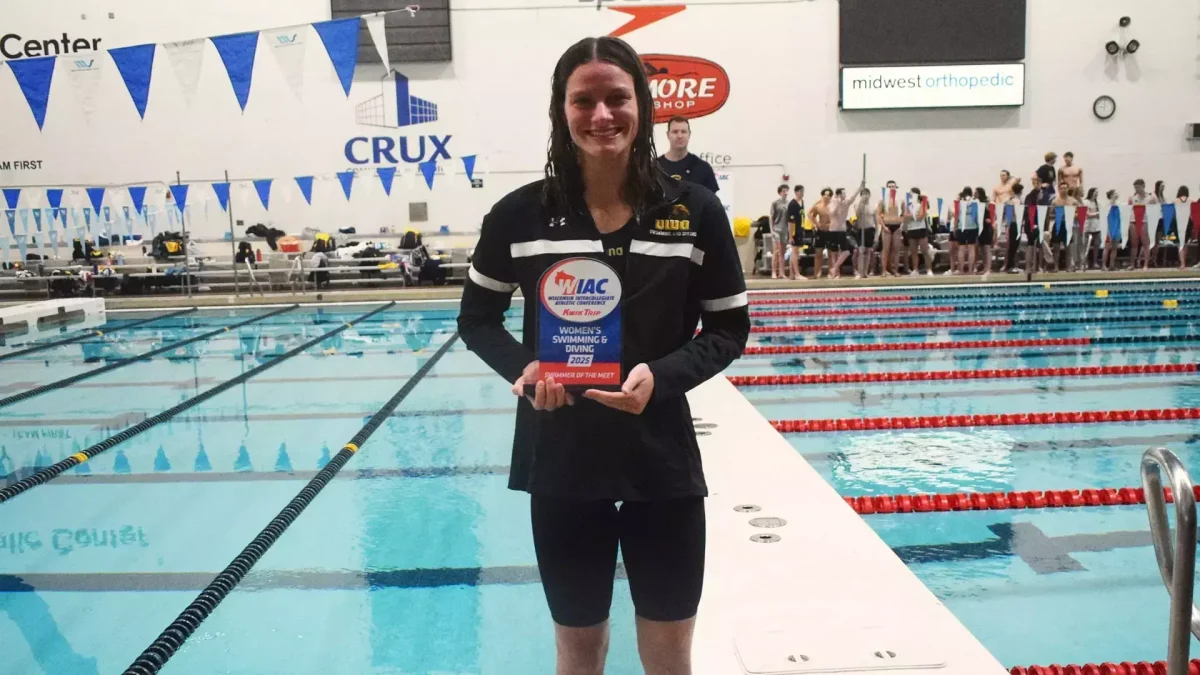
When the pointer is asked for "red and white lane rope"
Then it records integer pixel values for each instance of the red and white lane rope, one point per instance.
(938, 375)
(985, 420)
(1002, 501)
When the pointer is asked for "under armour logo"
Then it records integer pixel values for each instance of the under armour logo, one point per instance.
(560, 222)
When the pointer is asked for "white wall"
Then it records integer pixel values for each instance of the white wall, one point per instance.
(782, 114)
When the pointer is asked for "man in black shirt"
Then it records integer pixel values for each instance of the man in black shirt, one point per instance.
(681, 164)
(795, 217)
(1046, 177)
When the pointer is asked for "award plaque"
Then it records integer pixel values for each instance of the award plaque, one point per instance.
(579, 325)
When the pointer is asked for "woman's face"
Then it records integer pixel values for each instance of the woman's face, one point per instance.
(601, 110)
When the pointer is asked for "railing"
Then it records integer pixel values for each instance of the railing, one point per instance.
(1178, 565)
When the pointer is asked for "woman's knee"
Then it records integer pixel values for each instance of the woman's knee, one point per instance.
(582, 651)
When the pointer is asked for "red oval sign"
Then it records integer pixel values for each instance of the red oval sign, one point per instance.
(687, 86)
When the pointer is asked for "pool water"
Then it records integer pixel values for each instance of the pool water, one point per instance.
(416, 559)
(1037, 586)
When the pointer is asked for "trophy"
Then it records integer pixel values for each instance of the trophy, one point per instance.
(579, 325)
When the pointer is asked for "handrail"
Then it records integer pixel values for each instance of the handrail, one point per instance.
(1178, 566)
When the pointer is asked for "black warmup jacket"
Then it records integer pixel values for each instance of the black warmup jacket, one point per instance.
(677, 262)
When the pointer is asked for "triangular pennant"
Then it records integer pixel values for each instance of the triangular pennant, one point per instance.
(34, 76)
(54, 197)
(1060, 218)
(37, 219)
(1168, 217)
(1196, 218)
(428, 169)
(128, 219)
(180, 194)
(21, 247)
(11, 216)
(12, 196)
(186, 59)
(83, 75)
(24, 213)
(96, 196)
(340, 37)
(1126, 212)
(54, 241)
(237, 53)
(221, 190)
(290, 45)
(263, 187)
(346, 178)
(135, 64)
(375, 28)
(1041, 214)
(305, 185)
(468, 162)
(1153, 213)
(387, 174)
(138, 194)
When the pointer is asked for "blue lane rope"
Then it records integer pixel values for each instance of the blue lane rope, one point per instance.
(121, 363)
(92, 333)
(47, 474)
(172, 638)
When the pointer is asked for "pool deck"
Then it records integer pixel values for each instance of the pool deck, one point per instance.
(829, 588)
(426, 293)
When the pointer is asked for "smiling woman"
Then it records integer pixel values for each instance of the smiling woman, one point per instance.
(617, 465)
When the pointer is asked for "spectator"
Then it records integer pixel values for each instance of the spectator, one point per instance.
(1045, 180)
(1092, 231)
(1139, 238)
(916, 232)
(1071, 174)
(795, 216)
(987, 234)
(681, 164)
(890, 216)
(779, 232)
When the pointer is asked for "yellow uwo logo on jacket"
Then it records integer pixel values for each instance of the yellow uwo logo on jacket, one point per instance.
(672, 224)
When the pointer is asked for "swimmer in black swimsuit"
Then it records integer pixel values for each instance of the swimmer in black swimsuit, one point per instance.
(889, 214)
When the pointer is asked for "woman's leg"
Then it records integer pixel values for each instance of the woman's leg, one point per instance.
(971, 253)
(796, 263)
(889, 254)
(576, 546)
(662, 544)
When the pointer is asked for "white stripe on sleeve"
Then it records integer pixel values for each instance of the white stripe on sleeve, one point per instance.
(527, 249)
(489, 283)
(722, 304)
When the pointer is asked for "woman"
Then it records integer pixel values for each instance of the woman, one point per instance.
(967, 230)
(1182, 228)
(987, 234)
(580, 453)
(916, 233)
(1112, 240)
(889, 213)
(1092, 230)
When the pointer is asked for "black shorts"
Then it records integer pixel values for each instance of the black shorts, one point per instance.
(987, 236)
(1058, 235)
(864, 238)
(892, 227)
(662, 545)
(954, 236)
(797, 237)
(916, 235)
(833, 241)
(968, 237)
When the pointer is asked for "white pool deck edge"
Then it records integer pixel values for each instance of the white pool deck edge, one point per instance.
(830, 576)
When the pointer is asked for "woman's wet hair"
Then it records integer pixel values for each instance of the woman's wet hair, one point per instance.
(981, 194)
(1093, 194)
(564, 177)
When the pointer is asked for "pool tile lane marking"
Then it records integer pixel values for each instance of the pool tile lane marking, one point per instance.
(93, 333)
(172, 638)
(47, 474)
(121, 363)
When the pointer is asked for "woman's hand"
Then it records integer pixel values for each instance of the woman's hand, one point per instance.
(634, 394)
(548, 395)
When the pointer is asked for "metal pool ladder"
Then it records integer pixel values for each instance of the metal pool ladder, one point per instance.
(1178, 566)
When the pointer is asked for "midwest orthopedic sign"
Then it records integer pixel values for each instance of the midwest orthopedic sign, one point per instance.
(975, 86)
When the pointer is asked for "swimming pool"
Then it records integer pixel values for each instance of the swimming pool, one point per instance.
(1069, 585)
(417, 559)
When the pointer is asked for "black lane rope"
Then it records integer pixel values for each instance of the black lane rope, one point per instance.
(93, 333)
(121, 363)
(172, 638)
(47, 474)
